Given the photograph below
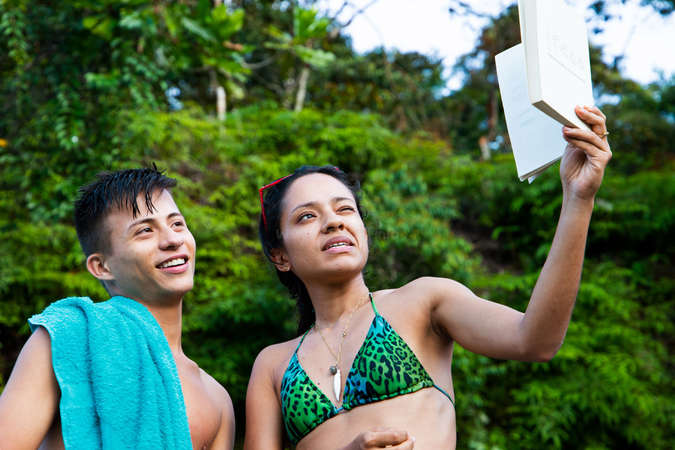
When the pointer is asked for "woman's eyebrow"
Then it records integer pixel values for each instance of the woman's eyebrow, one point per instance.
(313, 203)
(304, 205)
(340, 199)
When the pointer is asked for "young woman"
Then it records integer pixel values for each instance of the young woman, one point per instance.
(373, 369)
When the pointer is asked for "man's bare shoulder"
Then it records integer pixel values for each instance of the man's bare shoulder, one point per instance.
(31, 383)
(39, 341)
(215, 390)
(200, 381)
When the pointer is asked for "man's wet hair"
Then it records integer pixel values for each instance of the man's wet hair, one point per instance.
(112, 191)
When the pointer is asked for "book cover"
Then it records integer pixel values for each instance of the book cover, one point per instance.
(557, 58)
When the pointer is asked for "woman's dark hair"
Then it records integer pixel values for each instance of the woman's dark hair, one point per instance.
(269, 229)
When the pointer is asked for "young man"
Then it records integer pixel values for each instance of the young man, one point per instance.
(113, 374)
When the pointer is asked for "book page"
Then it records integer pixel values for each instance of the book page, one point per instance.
(536, 139)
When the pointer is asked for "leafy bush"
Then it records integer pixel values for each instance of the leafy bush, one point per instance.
(429, 212)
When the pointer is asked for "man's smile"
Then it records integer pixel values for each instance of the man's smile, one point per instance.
(175, 264)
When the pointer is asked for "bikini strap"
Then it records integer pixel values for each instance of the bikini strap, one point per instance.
(372, 303)
(444, 393)
(302, 339)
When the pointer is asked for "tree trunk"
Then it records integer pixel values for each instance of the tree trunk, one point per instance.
(484, 148)
(288, 89)
(221, 97)
(221, 103)
(302, 88)
(492, 111)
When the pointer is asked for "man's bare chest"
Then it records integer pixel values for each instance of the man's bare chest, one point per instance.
(203, 413)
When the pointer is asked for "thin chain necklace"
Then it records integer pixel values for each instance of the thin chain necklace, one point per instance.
(335, 369)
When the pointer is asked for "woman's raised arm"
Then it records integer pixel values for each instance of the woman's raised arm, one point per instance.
(501, 332)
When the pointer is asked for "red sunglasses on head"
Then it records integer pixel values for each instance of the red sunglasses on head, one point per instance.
(262, 205)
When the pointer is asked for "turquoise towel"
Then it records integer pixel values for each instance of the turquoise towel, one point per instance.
(119, 383)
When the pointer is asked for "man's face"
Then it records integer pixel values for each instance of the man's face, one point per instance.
(152, 256)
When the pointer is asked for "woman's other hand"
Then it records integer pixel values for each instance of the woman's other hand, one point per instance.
(382, 438)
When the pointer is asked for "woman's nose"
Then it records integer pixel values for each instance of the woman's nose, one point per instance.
(333, 222)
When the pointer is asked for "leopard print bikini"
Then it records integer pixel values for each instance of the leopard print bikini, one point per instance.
(384, 367)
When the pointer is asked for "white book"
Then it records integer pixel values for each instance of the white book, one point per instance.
(536, 139)
(557, 58)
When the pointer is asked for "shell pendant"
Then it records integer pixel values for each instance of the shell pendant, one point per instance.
(337, 382)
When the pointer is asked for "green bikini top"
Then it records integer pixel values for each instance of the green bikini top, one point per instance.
(384, 367)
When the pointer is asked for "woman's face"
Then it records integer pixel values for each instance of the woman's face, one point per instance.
(324, 238)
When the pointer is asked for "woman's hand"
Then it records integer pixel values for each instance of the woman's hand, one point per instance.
(382, 438)
(586, 156)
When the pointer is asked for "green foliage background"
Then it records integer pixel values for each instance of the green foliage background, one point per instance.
(85, 84)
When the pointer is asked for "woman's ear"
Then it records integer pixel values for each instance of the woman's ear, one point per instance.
(97, 266)
(280, 259)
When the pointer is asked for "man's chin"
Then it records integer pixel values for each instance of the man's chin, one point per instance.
(180, 286)
(180, 291)
(172, 294)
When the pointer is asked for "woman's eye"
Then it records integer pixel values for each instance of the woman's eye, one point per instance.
(346, 208)
(305, 216)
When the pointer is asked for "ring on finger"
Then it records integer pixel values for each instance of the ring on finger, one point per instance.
(602, 135)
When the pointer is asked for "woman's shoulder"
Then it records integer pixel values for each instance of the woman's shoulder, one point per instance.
(275, 357)
(428, 283)
(401, 301)
(418, 289)
(419, 295)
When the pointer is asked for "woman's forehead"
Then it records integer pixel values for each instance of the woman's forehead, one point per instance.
(316, 187)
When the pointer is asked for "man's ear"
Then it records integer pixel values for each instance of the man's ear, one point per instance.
(280, 259)
(97, 266)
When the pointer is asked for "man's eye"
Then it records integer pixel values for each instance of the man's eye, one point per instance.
(346, 208)
(144, 230)
(179, 224)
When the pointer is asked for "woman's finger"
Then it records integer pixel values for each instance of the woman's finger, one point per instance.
(595, 121)
(590, 150)
(594, 109)
(588, 115)
(586, 136)
(379, 439)
(409, 444)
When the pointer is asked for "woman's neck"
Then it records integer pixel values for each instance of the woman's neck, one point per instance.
(332, 302)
